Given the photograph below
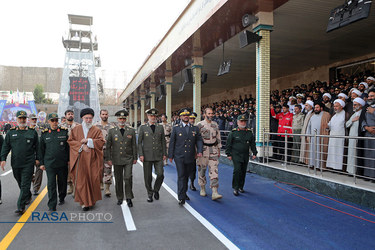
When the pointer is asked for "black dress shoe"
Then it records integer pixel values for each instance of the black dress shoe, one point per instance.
(130, 203)
(20, 211)
(192, 187)
(241, 190)
(181, 202)
(119, 202)
(149, 199)
(52, 209)
(156, 195)
(187, 198)
(235, 192)
(62, 202)
(85, 209)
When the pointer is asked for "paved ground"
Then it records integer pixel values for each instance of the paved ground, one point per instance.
(268, 215)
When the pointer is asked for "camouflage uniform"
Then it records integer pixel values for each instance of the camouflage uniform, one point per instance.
(69, 127)
(211, 149)
(167, 132)
(107, 169)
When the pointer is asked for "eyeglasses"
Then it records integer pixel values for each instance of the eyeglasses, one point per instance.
(54, 120)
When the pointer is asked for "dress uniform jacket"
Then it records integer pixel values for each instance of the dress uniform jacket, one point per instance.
(182, 145)
(54, 148)
(121, 149)
(151, 145)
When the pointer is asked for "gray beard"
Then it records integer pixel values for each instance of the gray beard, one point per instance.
(22, 125)
(121, 123)
(242, 126)
(88, 126)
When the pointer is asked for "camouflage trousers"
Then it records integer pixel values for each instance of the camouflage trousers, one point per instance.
(212, 162)
(106, 174)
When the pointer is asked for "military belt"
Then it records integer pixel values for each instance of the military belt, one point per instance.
(210, 144)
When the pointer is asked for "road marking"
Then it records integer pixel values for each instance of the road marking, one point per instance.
(128, 218)
(7, 172)
(219, 235)
(7, 240)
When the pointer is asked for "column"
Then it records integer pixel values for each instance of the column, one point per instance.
(153, 94)
(130, 112)
(263, 77)
(197, 90)
(168, 90)
(136, 112)
(143, 98)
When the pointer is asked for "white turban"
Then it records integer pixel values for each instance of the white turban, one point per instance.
(357, 92)
(371, 78)
(343, 95)
(311, 103)
(341, 102)
(364, 84)
(360, 101)
(327, 95)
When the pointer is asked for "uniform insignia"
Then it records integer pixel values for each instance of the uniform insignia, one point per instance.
(61, 143)
(193, 133)
(14, 135)
(129, 136)
(180, 134)
(12, 128)
(28, 141)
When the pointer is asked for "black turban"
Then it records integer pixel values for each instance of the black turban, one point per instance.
(87, 111)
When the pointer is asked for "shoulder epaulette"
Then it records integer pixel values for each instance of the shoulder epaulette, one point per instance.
(64, 128)
(44, 130)
(234, 129)
(31, 128)
(177, 125)
(12, 128)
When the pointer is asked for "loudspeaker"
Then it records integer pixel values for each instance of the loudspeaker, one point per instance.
(162, 90)
(203, 78)
(188, 76)
(247, 37)
(248, 20)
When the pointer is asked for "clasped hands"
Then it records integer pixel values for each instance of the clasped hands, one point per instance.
(85, 147)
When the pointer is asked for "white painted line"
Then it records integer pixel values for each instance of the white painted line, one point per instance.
(7, 172)
(128, 218)
(219, 235)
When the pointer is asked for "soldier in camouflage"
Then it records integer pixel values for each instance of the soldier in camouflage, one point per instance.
(167, 132)
(211, 152)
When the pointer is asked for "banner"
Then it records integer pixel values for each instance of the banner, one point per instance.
(79, 90)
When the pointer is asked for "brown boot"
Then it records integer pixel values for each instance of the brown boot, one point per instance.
(215, 194)
(107, 191)
(101, 186)
(203, 191)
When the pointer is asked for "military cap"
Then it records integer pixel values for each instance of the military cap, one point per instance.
(236, 110)
(184, 111)
(193, 115)
(242, 118)
(52, 116)
(87, 111)
(33, 116)
(152, 111)
(122, 113)
(21, 114)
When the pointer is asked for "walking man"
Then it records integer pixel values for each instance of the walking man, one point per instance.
(152, 152)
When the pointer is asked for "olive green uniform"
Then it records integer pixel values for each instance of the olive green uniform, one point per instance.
(25, 150)
(122, 151)
(54, 155)
(152, 146)
(238, 146)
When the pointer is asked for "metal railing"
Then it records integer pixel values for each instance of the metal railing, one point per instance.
(320, 154)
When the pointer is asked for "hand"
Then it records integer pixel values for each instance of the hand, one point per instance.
(370, 110)
(164, 157)
(135, 162)
(171, 159)
(141, 158)
(84, 141)
(37, 162)
(86, 148)
(199, 155)
(42, 167)
(3, 165)
(253, 157)
(109, 163)
(355, 119)
(230, 158)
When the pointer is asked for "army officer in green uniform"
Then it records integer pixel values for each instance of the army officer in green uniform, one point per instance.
(240, 141)
(23, 141)
(121, 151)
(54, 156)
(152, 151)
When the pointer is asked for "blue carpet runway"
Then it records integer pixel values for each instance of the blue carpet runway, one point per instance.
(268, 217)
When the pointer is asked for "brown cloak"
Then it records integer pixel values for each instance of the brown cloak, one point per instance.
(89, 165)
(323, 142)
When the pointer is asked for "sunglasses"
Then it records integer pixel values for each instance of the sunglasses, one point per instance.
(54, 120)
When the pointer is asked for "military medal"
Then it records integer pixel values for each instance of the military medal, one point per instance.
(180, 134)
(28, 141)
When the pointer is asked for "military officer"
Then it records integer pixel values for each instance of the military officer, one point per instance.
(38, 174)
(54, 156)
(167, 132)
(69, 124)
(24, 144)
(211, 152)
(240, 141)
(105, 126)
(121, 151)
(152, 151)
(193, 173)
(185, 142)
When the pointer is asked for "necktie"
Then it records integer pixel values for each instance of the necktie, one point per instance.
(122, 131)
(153, 128)
(187, 129)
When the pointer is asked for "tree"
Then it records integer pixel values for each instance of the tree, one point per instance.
(38, 94)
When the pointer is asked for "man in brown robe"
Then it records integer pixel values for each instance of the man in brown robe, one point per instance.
(86, 160)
